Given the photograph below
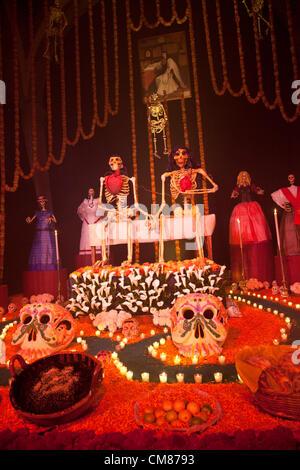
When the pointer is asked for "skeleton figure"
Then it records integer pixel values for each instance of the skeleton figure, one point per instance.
(198, 325)
(183, 173)
(157, 118)
(117, 189)
(257, 12)
(43, 330)
(57, 23)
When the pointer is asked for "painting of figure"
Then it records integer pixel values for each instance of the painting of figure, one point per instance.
(164, 66)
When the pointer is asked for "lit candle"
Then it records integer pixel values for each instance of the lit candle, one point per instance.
(282, 330)
(281, 315)
(122, 345)
(110, 334)
(177, 360)
(162, 341)
(275, 312)
(276, 342)
(81, 333)
(163, 377)
(123, 370)
(114, 355)
(218, 376)
(166, 330)
(142, 335)
(198, 378)
(180, 377)
(154, 353)
(156, 345)
(195, 359)
(152, 332)
(163, 356)
(150, 349)
(129, 375)
(145, 376)
(221, 359)
(98, 333)
(284, 337)
(288, 320)
(125, 340)
(118, 338)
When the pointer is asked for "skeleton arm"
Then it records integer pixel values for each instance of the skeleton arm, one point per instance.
(205, 175)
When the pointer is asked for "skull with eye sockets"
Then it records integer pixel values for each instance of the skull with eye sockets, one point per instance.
(43, 330)
(198, 325)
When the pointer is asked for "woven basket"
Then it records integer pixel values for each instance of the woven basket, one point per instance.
(89, 390)
(285, 406)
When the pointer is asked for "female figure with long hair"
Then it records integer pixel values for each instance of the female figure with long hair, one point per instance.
(249, 226)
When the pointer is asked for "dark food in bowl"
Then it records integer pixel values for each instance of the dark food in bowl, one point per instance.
(52, 385)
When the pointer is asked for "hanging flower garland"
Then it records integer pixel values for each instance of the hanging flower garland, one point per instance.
(244, 88)
(2, 174)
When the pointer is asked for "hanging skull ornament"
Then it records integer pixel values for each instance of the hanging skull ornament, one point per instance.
(43, 330)
(198, 325)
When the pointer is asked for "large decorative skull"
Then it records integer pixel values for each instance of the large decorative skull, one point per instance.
(43, 330)
(198, 325)
(130, 328)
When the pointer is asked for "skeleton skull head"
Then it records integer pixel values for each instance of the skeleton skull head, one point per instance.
(115, 162)
(130, 328)
(43, 330)
(198, 325)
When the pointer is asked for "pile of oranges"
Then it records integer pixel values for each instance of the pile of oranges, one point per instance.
(177, 414)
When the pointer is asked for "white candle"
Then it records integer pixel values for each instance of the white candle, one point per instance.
(125, 340)
(282, 330)
(218, 376)
(129, 375)
(145, 376)
(118, 338)
(122, 345)
(221, 359)
(276, 226)
(284, 337)
(152, 332)
(150, 349)
(154, 353)
(98, 333)
(123, 370)
(276, 342)
(177, 360)
(166, 330)
(287, 320)
(110, 334)
(162, 340)
(156, 345)
(163, 377)
(114, 355)
(163, 356)
(180, 377)
(142, 335)
(198, 378)
(195, 359)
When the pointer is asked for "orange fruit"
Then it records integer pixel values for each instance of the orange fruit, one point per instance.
(149, 418)
(159, 412)
(202, 415)
(179, 405)
(184, 416)
(167, 405)
(177, 423)
(195, 421)
(149, 409)
(171, 416)
(193, 408)
(161, 420)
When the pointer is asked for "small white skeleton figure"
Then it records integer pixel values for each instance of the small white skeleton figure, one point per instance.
(183, 182)
(116, 185)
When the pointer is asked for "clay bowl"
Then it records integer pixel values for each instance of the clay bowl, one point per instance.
(75, 387)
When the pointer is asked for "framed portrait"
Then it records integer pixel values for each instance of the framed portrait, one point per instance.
(164, 66)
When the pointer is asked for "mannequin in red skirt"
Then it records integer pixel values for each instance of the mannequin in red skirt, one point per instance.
(255, 234)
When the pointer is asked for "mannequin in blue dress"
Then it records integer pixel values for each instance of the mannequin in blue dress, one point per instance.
(43, 251)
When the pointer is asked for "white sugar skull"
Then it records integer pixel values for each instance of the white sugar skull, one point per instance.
(130, 328)
(43, 330)
(198, 325)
